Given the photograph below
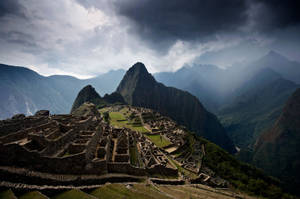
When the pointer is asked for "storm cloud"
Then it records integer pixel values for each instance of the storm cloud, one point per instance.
(88, 37)
(275, 14)
(160, 21)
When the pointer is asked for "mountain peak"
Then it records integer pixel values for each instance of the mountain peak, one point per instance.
(138, 67)
(136, 77)
(273, 55)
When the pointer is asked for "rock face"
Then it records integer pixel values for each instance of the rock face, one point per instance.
(87, 94)
(42, 113)
(277, 150)
(139, 88)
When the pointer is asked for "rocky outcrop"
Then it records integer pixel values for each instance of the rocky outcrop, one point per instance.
(89, 94)
(139, 88)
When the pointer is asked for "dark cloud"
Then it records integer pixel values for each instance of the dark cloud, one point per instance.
(12, 7)
(162, 21)
(276, 14)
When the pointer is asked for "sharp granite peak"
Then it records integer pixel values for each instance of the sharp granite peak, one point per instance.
(139, 88)
(136, 76)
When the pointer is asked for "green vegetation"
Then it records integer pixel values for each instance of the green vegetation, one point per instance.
(133, 156)
(8, 194)
(73, 194)
(106, 116)
(241, 175)
(119, 191)
(159, 140)
(33, 195)
(182, 170)
(118, 119)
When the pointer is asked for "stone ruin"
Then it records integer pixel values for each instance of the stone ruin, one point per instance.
(81, 143)
(78, 144)
(164, 126)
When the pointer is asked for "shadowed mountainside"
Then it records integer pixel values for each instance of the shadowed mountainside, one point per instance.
(277, 149)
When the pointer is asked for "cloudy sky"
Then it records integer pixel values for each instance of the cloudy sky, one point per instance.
(89, 37)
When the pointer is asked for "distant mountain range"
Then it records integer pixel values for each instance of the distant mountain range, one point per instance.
(216, 87)
(257, 104)
(25, 91)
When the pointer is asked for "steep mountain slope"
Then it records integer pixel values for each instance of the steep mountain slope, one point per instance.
(203, 81)
(256, 107)
(139, 88)
(277, 150)
(25, 91)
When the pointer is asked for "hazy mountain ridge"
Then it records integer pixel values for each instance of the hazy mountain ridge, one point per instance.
(139, 88)
(25, 91)
(203, 81)
(216, 87)
(256, 107)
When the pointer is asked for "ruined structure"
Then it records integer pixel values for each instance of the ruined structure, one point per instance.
(78, 144)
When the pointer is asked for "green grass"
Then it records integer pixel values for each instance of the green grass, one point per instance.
(134, 157)
(8, 194)
(117, 119)
(73, 194)
(33, 195)
(158, 140)
(183, 170)
(119, 191)
(140, 129)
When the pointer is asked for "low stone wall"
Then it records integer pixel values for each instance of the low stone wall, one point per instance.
(13, 137)
(92, 145)
(121, 167)
(160, 169)
(15, 155)
(166, 181)
(75, 148)
(55, 145)
(11, 125)
(121, 158)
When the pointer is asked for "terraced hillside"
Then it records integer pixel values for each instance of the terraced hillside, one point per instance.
(130, 191)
